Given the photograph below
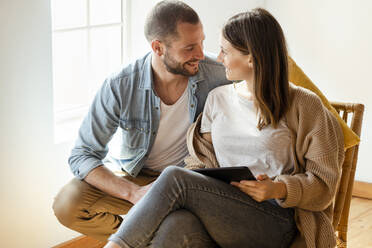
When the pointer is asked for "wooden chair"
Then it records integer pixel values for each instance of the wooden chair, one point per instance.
(352, 114)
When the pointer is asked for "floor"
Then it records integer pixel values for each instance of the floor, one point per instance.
(359, 234)
(360, 223)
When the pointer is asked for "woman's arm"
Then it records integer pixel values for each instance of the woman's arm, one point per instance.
(319, 155)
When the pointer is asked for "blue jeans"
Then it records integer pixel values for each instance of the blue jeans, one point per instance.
(227, 216)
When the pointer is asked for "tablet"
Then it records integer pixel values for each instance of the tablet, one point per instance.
(228, 174)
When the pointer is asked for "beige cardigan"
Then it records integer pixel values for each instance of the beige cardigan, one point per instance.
(318, 152)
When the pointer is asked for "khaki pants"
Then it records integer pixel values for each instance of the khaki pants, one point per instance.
(86, 209)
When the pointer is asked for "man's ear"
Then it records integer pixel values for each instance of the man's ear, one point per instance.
(157, 47)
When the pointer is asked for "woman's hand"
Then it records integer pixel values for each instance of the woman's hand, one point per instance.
(262, 189)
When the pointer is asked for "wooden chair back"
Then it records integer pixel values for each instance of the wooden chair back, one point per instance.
(352, 114)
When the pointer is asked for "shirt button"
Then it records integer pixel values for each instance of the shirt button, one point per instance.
(193, 85)
(157, 108)
(153, 133)
(192, 105)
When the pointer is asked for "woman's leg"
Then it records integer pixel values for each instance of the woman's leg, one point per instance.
(232, 218)
(182, 229)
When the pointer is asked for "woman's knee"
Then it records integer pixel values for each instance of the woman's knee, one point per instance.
(172, 176)
(172, 171)
(68, 201)
(185, 220)
(182, 228)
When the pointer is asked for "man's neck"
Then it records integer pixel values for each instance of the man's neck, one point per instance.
(162, 76)
(168, 86)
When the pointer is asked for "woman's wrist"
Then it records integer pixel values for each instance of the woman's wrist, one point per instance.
(281, 192)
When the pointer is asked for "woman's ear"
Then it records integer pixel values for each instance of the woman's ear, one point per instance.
(250, 60)
(157, 47)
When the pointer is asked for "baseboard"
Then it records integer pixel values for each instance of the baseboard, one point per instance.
(81, 242)
(362, 189)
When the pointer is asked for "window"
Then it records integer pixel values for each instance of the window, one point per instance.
(88, 45)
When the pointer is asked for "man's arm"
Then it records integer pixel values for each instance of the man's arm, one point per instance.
(104, 179)
(91, 147)
(96, 130)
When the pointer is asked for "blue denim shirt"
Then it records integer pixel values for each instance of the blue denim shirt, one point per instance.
(127, 100)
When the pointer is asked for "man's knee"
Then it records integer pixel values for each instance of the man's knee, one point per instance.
(68, 201)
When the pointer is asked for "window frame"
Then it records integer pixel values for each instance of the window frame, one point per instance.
(67, 120)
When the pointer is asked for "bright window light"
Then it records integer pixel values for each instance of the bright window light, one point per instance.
(88, 45)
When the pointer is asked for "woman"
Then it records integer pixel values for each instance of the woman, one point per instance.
(283, 133)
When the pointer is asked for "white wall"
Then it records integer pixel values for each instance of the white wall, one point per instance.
(212, 18)
(331, 41)
(32, 168)
(214, 14)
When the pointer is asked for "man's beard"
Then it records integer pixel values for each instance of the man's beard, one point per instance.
(177, 68)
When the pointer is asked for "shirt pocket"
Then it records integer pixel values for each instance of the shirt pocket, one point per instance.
(134, 133)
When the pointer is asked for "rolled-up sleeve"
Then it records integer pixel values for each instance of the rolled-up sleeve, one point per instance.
(96, 131)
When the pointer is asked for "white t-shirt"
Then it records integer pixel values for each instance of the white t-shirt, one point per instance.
(170, 147)
(232, 121)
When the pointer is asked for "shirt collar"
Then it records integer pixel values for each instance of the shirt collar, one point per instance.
(198, 77)
(147, 77)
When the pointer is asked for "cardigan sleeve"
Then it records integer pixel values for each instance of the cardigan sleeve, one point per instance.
(319, 152)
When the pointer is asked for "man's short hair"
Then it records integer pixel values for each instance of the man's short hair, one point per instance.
(161, 22)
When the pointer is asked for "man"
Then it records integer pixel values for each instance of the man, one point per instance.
(153, 101)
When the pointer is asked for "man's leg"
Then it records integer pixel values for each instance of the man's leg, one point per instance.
(86, 209)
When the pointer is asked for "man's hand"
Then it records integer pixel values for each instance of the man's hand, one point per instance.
(262, 189)
(105, 180)
(139, 193)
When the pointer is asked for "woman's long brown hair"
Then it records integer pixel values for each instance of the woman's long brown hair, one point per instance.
(258, 33)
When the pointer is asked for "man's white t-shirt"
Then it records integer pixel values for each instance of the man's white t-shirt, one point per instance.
(170, 147)
(232, 121)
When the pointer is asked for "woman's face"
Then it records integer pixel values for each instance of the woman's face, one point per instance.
(237, 65)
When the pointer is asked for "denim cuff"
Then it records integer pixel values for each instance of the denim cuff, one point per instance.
(118, 241)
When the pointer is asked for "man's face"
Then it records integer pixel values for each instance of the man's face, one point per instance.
(182, 54)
